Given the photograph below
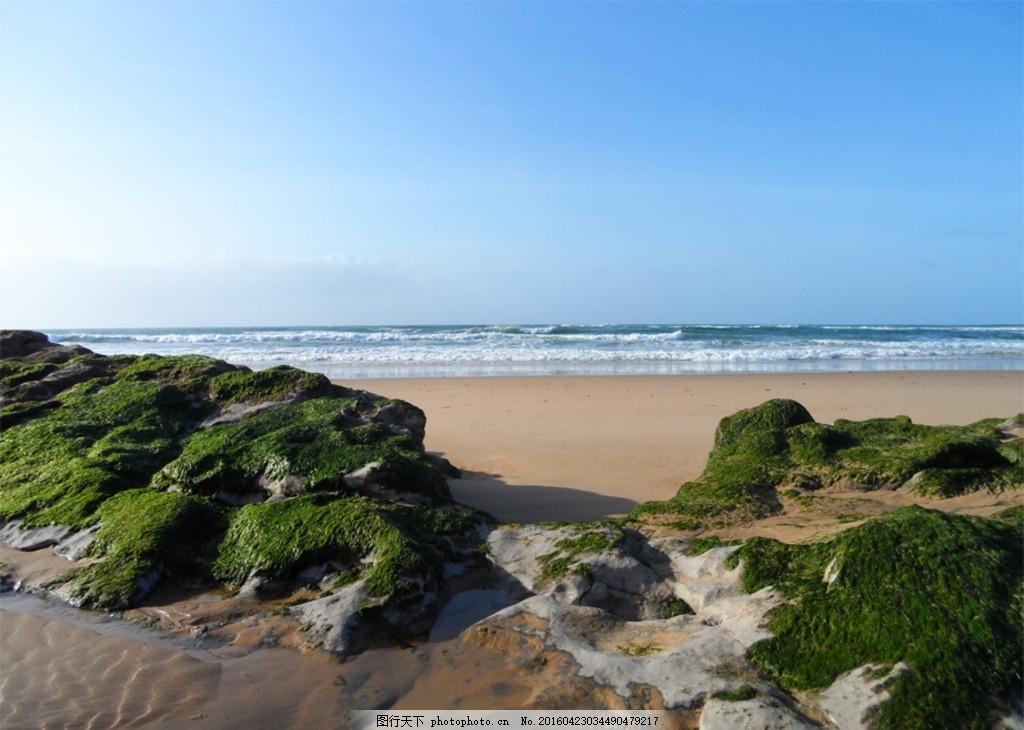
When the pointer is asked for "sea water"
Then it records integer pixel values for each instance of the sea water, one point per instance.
(606, 349)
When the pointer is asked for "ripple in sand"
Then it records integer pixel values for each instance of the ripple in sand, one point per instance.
(58, 676)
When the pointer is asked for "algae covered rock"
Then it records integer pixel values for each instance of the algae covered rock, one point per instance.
(941, 593)
(191, 468)
(779, 445)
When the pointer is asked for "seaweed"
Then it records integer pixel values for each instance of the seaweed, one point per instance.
(318, 439)
(279, 539)
(106, 437)
(243, 385)
(589, 538)
(920, 586)
(777, 445)
(144, 532)
(127, 450)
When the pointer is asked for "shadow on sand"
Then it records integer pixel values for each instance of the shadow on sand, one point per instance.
(533, 502)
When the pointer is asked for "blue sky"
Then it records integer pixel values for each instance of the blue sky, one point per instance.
(243, 163)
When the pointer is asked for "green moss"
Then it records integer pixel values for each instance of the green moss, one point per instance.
(15, 414)
(191, 373)
(804, 500)
(700, 545)
(762, 430)
(940, 592)
(14, 372)
(777, 445)
(279, 539)
(739, 695)
(245, 385)
(678, 607)
(106, 437)
(103, 403)
(317, 439)
(632, 648)
(142, 532)
(1013, 452)
(1014, 515)
(590, 538)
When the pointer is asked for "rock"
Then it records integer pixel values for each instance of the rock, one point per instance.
(139, 456)
(587, 614)
(74, 546)
(404, 418)
(36, 347)
(289, 485)
(65, 541)
(607, 567)
(1012, 424)
(755, 714)
(1014, 720)
(852, 701)
(684, 658)
(14, 535)
(235, 412)
(361, 477)
(54, 383)
(332, 621)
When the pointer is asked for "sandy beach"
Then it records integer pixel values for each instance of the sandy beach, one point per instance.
(576, 448)
(531, 449)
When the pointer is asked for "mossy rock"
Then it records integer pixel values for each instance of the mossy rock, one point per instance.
(247, 386)
(762, 430)
(777, 445)
(588, 538)
(191, 373)
(13, 372)
(1013, 515)
(279, 539)
(145, 534)
(129, 450)
(318, 439)
(941, 592)
(107, 436)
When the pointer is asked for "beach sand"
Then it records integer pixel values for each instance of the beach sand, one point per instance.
(580, 448)
(531, 449)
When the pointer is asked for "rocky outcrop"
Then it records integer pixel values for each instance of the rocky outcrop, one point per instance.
(748, 617)
(778, 446)
(168, 468)
(35, 347)
(632, 611)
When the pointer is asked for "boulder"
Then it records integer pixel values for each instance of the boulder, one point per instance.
(36, 347)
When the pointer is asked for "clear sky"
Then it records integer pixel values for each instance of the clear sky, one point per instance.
(276, 163)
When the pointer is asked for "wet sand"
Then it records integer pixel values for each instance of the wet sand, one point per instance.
(531, 449)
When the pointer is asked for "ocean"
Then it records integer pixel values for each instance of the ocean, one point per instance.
(606, 349)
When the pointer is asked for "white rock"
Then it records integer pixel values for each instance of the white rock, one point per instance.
(65, 541)
(73, 546)
(755, 714)
(34, 538)
(235, 412)
(831, 571)
(362, 475)
(331, 620)
(854, 698)
(1013, 721)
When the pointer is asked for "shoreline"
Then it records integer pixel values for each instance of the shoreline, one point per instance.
(581, 447)
(531, 449)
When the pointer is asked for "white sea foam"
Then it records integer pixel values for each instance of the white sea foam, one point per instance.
(494, 349)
